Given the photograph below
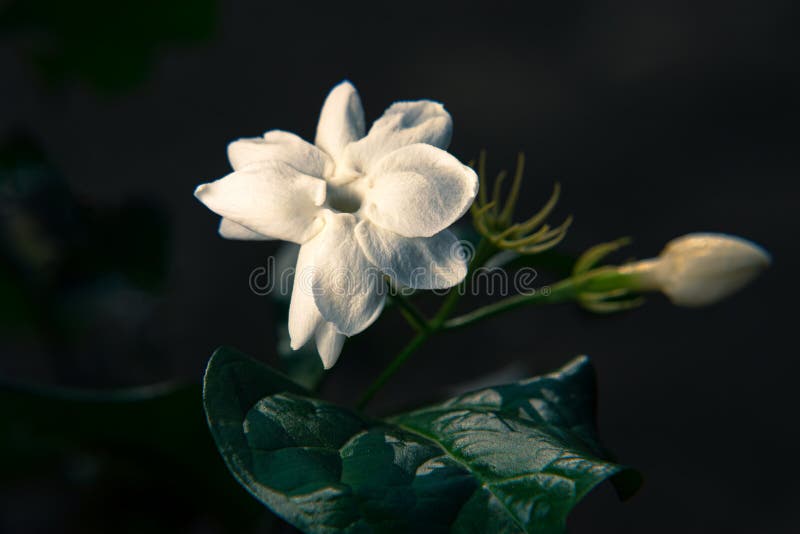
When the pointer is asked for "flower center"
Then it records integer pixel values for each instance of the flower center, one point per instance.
(345, 198)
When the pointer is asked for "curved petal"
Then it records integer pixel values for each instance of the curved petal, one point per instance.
(348, 291)
(231, 230)
(418, 191)
(402, 124)
(341, 120)
(329, 343)
(436, 262)
(304, 317)
(277, 145)
(273, 199)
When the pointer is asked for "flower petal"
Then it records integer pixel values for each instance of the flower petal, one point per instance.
(418, 191)
(231, 230)
(341, 120)
(271, 198)
(329, 343)
(436, 262)
(402, 124)
(304, 317)
(348, 290)
(277, 145)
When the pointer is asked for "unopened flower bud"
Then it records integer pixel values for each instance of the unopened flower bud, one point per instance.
(700, 269)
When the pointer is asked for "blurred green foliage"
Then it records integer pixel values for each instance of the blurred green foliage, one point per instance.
(110, 45)
(52, 244)
(139, 460)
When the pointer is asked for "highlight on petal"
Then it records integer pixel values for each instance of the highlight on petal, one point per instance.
(277, 145)
(341, 120)
(435, 262)
(418, 191)
(231, 230)
(348, 290)
(272, 198)
(402, 124)
(304, 317)
(329, 343)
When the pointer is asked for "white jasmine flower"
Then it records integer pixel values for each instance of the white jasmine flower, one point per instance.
(700, 269)
(359, 205)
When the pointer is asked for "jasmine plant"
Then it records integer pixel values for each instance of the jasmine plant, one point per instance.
(371, 211)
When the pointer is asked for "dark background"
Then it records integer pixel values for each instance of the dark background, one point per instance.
(658, 118)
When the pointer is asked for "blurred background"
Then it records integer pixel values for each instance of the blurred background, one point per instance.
(658, 118)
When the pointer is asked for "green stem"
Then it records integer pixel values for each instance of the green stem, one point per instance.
(598, 280)
(387, 373)
(424, 327)
(560, 292)
(483, 252)
(595, 281)
(449, 304)
(411, 313)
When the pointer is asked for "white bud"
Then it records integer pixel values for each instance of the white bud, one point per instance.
(700, 269)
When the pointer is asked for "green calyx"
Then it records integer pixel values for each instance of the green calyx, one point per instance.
(606, 289)
(493, 217)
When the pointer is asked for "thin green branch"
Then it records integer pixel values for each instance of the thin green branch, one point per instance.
(483, 251)
(392, 368)
(560, 292)
(410, 312)
(602, 279)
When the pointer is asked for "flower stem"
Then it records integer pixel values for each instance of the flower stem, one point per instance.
(483, 252)
(392, 368)
(560, 292)
(567, 289)
(411, 313)
(425, 328)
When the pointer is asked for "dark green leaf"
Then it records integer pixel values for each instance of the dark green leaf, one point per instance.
(511, 458)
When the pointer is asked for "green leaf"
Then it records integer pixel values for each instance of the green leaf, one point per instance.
(512, 458)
